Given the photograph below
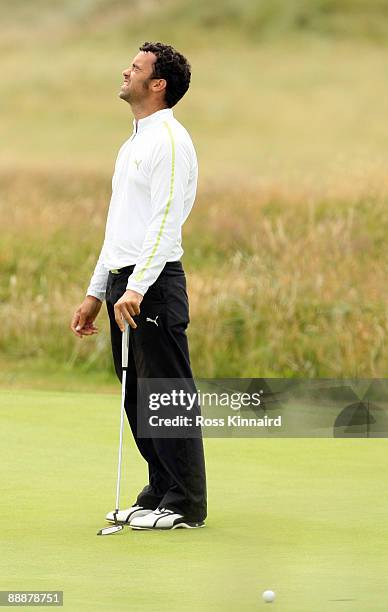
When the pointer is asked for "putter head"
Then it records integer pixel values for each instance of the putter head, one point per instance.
(110, 530)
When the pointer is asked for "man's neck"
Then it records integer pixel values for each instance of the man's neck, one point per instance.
(141, 112)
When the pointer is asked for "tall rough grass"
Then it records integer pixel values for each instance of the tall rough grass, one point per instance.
(281, 283)
(253, 18)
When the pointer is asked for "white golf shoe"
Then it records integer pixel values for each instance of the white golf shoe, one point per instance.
(125, 516)
(162, 518)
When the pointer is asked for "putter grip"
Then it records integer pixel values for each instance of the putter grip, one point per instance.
(125, 346)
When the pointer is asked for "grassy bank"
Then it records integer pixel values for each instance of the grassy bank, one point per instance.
(281, 283)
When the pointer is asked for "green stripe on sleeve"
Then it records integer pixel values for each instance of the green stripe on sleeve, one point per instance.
(140, 274)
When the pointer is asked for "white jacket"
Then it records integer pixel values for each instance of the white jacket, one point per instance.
(153, 191)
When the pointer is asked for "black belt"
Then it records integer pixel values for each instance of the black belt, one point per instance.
(132, 267)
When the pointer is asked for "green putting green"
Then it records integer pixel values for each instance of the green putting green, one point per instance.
(305, 518)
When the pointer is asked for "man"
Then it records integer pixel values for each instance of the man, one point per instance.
(140, 275)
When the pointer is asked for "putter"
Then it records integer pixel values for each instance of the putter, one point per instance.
(124, 363)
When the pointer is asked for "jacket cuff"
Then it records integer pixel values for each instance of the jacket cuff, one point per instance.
(100, 295)
(138, 287)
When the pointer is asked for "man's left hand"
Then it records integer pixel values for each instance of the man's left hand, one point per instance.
(127, 307)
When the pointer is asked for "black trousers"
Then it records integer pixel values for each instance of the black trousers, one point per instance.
(176, 466)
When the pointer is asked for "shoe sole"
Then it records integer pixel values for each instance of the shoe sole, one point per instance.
(179, 526)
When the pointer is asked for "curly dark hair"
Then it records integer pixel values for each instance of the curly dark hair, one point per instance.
(172, 66)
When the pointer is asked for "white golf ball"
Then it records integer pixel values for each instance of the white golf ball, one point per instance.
(268, 596)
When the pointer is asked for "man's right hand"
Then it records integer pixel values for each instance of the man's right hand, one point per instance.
(82, 323)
